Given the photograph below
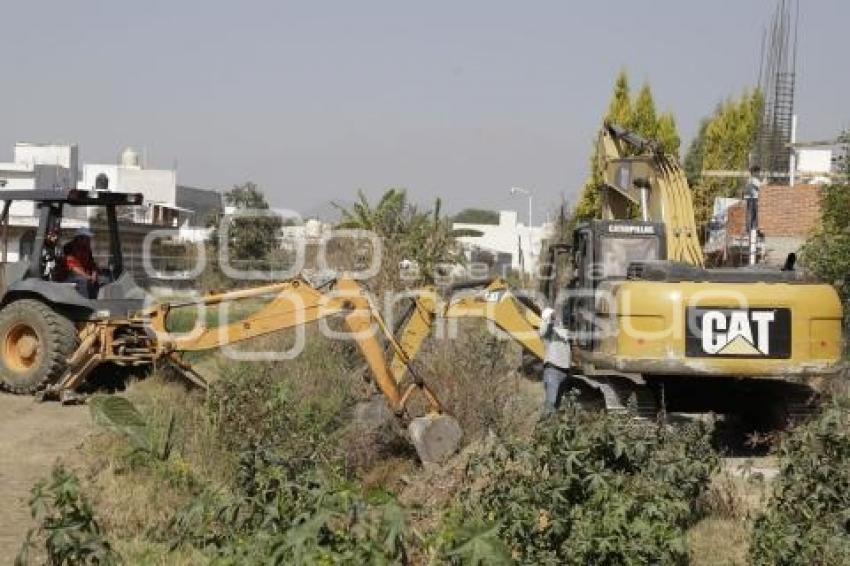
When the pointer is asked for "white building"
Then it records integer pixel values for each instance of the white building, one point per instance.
(62, 155)
(159, 187)
(522, 242)
(812, 165)
(38, 166)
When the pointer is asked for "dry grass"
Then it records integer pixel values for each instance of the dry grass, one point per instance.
(296, 405)
(733, 500)
(141, 552)
(719, 542)
(132, 492)
(473, 375)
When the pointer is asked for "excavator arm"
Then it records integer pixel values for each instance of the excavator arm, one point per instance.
(146, 339)
(637, 172)
(493, 301)
(293, 303)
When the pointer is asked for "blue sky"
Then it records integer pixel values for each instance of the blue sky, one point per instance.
(314, 100)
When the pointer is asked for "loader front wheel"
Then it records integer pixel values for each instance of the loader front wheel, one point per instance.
(35, 342)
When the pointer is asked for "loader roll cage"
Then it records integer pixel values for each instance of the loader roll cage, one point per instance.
(49, 204)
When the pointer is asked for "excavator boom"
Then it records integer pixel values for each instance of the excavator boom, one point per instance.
(146, 339)
(492, 300)
(637, 173)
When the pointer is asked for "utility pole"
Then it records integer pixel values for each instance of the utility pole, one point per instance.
(530, 195)
(792, 154)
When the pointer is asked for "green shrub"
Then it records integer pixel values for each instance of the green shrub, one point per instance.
(292, 407)
(67, 525)
(807, 518)
(279, 515)
(593, 488)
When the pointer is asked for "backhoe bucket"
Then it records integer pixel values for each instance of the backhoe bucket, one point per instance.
(435, 437)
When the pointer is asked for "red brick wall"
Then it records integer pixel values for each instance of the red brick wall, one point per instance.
(736, 219)
(783, 211)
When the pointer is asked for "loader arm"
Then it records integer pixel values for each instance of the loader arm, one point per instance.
(493, 301)
(653, 181)
(294, 303)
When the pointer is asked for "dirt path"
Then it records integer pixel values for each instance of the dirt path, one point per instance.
(32, 437)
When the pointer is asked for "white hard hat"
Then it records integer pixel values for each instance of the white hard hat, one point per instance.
(85, 232)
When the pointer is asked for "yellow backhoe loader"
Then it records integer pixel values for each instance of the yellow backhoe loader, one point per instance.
(145, 338)
(52, 337)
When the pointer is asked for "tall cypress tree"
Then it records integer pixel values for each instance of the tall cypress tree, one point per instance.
(667, 134)
(620, 112)
(725, 142)
(644, 120)
(639, 115)
(620, 107)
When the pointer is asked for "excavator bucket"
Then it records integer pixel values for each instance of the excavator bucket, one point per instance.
(435, 437)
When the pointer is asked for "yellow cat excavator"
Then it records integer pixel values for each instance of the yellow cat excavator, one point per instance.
(652, 325)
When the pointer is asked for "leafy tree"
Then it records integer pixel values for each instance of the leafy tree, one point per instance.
(724, 143)
(639, 115)
(589, 204)
(827, 251)
(667, 134)
(386, 218)
(254, 236)
(807, 517)
(644, 119)
(695, 154)
(425, 239)
(246, 196)
(620, 107)
(477, 216)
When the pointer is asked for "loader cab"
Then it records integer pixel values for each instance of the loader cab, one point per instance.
(606, 251)
(34, 273)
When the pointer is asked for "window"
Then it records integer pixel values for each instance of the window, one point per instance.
(618, 253)
(101, 182)
(26, 245)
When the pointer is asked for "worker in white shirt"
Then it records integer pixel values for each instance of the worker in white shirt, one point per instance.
(557, 360)
(751, 196)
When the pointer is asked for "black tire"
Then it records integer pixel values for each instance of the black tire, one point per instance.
(35, 343)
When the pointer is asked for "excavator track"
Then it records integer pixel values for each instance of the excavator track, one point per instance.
(621, 395)
(796, 404)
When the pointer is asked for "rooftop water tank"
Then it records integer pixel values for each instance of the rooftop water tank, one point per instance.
(130, 158)
(313, 228)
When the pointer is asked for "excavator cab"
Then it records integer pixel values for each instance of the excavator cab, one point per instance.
(606, 251)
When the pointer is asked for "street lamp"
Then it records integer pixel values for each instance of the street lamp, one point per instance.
(521, 191)
(528, 193)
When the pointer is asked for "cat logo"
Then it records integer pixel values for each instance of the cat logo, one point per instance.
(738, 333)
(494, 296)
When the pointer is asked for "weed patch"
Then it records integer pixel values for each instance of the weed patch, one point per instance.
(68, 529)
(807, 517)
(592, 488)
